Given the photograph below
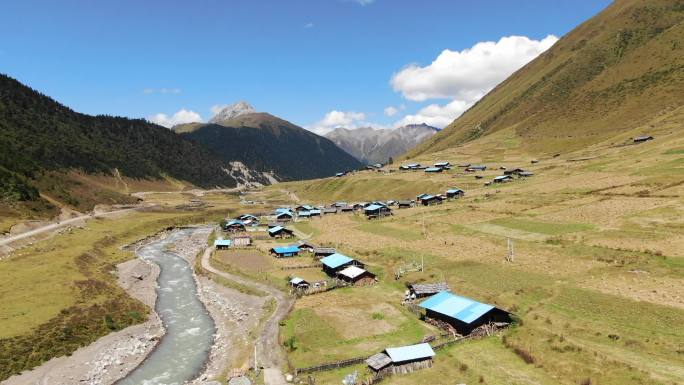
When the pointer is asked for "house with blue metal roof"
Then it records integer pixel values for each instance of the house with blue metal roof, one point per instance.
(434, 169)
(402, 360)
(283, 215)
(454, 193)
(443, 164)
(503, 179)
(221, 244)
(234, 226)
(377, 210)
(464, 314)
(337, 262)
(280, 232)
(285, 251)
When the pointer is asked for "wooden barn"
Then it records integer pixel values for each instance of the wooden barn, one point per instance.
(305, 246)
(402, 360)
(285, 251)
(429, 200)
(280, 232)
(454, 193)
(234, 226)
(377, 210)
(356, 276)
(242, 241)
(222, 244)
(284, 215)
(643, 138)
(463, 314)
(405, 204)
(299, 283)
(503, 179)
(422, 290)
(320, 252)
(332, 264)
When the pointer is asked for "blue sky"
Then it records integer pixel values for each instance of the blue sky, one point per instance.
(298, 59)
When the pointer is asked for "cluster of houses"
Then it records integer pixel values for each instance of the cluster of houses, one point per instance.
(346, 270)
(437, 167)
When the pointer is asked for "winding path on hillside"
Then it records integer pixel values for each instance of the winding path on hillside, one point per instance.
(270, 353)
(55, 226)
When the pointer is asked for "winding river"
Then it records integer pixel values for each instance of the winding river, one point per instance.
(185, 347)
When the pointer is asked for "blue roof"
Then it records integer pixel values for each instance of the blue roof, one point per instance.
(373, 207)
(275, 229)
(454, 190)
(286, 249)
(315, 211)
(454, 306)
(335, 260)
(222, 242)
(235, 222)
(438, 164)
(283, 210)
(422, 195)
(307, 207)
(304, 213)
(433, 169)
(426, 196)
(279, 214)
(244, 216)
(410, 353)
(413, 165)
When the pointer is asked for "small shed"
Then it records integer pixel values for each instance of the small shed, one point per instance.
(299, 283)
(422, 290)
(242, 241)
(405, 204)
(514, 171)
(284, 216)
(503, 179)
(454, 193)
(285, 251)
(305, 246)
(222, 244)
(234, 226)
(346, 209)
(464, 314)
(320, 252)
(443, 164)
(280, 232)
(525, 174)
(402, 360)
(334, 263)
(376, 210)
(430, 200)
(476, 167)
(643, 138)
(356, 276)
(434, 169)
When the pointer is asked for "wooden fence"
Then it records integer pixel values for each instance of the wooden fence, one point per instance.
(330, 365)
(300, 267)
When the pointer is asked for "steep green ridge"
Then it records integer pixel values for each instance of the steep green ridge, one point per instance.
(611, 74)
(267, 143)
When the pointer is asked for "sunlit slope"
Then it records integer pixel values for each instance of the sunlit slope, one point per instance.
(613, 73)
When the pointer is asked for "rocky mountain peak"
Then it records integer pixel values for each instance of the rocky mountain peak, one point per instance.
(232, 111)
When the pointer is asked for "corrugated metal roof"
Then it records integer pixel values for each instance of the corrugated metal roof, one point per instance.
(410, 353)
(335, 260)
(275, 229)
(222, 242)
(315, 211)
(304, 213)
(454, 191)
(454, 306)
(235, 222)
(373, 207)
(296, 281)
(352, 272)
(502, 177)
(433, 169)
(286, 249)
(429, 288)
(441, 164)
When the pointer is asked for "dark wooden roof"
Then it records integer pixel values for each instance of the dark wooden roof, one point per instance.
(378, 361)
(429, 288)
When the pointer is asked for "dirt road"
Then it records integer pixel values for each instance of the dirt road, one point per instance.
(269, 351)
(55, 226)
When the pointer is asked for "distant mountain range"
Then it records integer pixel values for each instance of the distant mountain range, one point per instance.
(614, 73)
(268, 144)
(370, 145)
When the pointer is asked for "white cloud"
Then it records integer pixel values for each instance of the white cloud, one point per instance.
(363, 3)
(181, 116)
(470, 73)
(309, 25)
(436, 115)
(335, 118)
(391, 110)
(464, 76)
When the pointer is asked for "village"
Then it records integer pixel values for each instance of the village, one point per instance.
(313, 269)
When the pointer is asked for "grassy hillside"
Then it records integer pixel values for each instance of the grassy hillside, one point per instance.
(611, 74)
(270, 144)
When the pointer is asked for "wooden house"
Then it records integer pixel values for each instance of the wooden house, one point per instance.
(503, 179)
(463, 314)
(525, 174)
(234, 226)
(476, 167)
(422, 290)
(405, 204)
(330, 210)
(222, 244)
(284, 215)
(280, 232)
(305, 246)
(334, 263)
(454, 193)
(377, 210)
(315, 213)
(347, 209)
(285, 251)
(320, 252)
(248, 220)
(443, 165)
(514, 171)
(429, 200)
(242, 241)
(402, 360)
(434, 169)
(356, 276)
